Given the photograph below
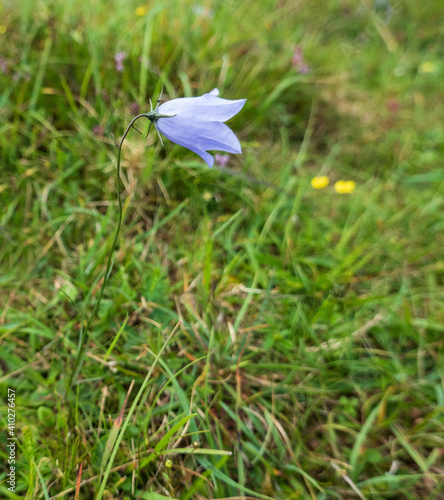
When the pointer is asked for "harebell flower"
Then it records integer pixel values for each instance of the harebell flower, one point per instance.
(196, 123)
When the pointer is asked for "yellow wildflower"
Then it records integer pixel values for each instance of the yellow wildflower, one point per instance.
(141, 11)
(344, 187)
(2, 29)
(427, 67)
(320, 182)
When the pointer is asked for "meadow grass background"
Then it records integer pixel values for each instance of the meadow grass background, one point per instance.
(299, 329)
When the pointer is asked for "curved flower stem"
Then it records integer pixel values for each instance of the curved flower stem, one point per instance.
(84, 333)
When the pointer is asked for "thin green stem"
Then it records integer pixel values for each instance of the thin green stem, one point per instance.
(84, 333)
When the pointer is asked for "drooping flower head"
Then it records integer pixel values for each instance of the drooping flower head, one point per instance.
(197, 123)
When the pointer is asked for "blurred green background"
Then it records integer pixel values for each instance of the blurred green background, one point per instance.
(296, 290)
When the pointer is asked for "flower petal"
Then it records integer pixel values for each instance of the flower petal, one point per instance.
(209, 107)
(201, 135)
(206, 157)
(209, 159)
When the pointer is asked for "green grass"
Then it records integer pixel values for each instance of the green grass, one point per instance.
(271, 340)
